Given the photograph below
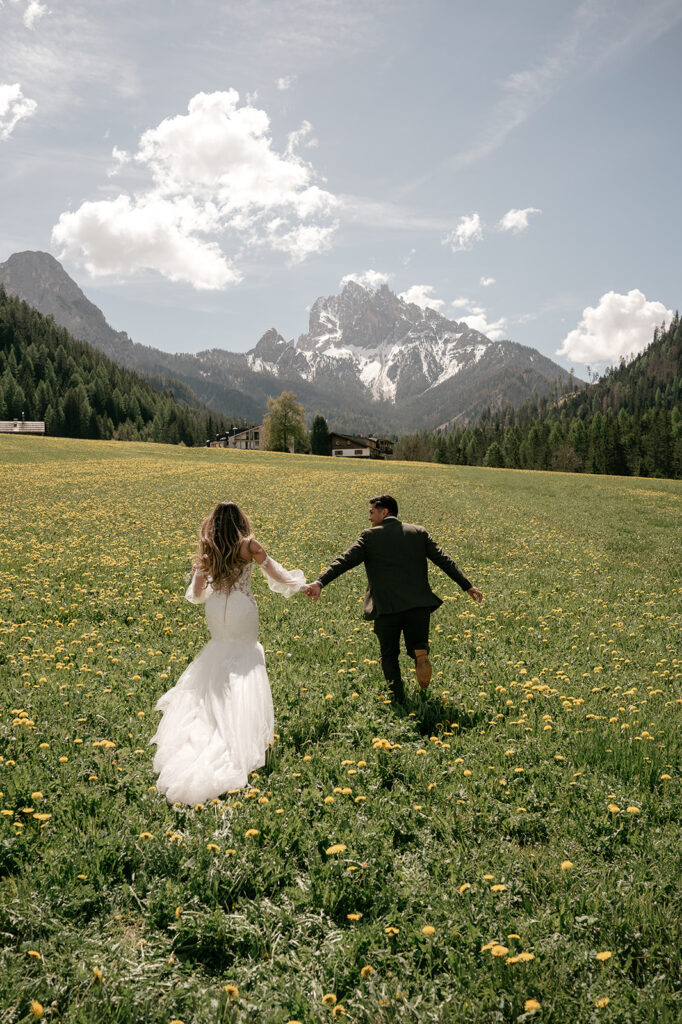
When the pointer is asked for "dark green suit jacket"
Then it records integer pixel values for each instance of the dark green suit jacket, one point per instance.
(395, 558)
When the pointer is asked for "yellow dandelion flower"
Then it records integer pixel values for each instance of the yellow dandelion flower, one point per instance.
(146, 835)
(251, 832)
(666, 777)
(604, 956)
(614, 808)
(37, 795)
(532, 1006)
(329, 799)
(231, 991)
(391, 930)
(367, 971)
(498, 888)
(329, 999)
(464, 886)
(602, 1002)
(526, 958)
(36, 1008)
(338, 1010)
(633, 810)
(428, 929)
(498, 950)
(566, 865)
(336, 848)
(97, 972)
(353, 917)
(35, 954)
(212, 846)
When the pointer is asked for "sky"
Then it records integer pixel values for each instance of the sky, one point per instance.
(206, 169)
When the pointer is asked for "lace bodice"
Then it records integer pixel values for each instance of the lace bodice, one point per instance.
(242, 584)
(280, 580)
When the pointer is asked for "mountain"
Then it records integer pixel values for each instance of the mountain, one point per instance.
(79, 392)
(369, 360)
(628, 423)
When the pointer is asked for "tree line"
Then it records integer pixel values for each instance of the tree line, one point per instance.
(47, 375)
(629, 423)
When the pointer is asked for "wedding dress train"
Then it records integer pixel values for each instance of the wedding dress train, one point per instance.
(218, 720)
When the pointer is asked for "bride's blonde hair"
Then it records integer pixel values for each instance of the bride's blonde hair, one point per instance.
(218, 555)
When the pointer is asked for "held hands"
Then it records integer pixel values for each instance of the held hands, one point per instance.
(313, 591)
(475, 594)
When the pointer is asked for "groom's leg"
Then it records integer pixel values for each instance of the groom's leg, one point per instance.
(416, 630)
(388, 629)
(416, 624)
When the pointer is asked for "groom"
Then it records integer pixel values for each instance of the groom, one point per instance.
(399, 598)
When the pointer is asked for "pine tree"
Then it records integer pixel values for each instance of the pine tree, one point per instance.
(320, 438)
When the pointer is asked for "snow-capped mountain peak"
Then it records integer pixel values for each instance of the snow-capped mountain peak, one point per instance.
(390, 348)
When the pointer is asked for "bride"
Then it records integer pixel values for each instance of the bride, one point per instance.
(218, 720)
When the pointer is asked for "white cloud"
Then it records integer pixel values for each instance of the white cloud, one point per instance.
(14, 106)
(33, 13)
(618, 326)
(516, 220)
(468, 231)
(477, 318)
(485, 282)
(368, 279)
(124, 236)
(422, 295)
(478, 321)
(302, 240)
(213, 171)
(285, 82)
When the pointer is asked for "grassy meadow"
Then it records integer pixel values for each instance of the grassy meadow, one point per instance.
(508, 851)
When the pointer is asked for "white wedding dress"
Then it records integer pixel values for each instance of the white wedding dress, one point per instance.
(218, 720)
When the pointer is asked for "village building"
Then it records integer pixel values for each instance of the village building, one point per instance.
(354, 447)
(248, 439)
(346, 445)
(22, 426)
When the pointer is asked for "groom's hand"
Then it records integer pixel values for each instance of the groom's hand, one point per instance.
(313, 591)
(475, 593)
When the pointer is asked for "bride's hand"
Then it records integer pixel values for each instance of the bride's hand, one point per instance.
(257, 551)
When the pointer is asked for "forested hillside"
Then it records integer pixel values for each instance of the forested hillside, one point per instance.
(46, 375)
(628, 423)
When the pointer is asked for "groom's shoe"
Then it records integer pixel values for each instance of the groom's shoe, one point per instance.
(397, 693)
(423, 666)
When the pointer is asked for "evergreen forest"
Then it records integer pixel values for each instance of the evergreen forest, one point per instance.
(627, 423)
(46, 375)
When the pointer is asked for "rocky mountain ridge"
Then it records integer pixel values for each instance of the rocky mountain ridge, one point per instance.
(369, 360)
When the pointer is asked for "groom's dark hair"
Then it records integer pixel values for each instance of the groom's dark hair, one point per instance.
(387, 502)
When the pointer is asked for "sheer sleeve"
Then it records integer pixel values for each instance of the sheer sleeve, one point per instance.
(192, 594)
(282, 581)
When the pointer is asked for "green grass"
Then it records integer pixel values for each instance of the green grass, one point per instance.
(555, 699)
